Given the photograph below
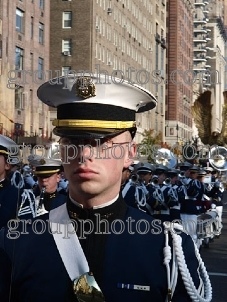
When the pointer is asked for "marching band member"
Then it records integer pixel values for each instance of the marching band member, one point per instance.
(48, 176)
(203, 199)
(216, 194)
(188, 203)
(90, 264)
(175, 209)
(8, 192)
(134, 192)
(161, 194)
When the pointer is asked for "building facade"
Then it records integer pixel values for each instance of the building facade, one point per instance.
(24, 66)
(124, 38)
(210, 40)
(178, 127)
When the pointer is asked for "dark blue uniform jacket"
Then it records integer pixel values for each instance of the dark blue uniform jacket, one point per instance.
(9, 202)
(32, 269)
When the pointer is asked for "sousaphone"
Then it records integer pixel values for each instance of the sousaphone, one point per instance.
(166, 157)
(217, 158)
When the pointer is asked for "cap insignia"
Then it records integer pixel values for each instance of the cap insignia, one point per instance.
(84, 87)
(42, 161)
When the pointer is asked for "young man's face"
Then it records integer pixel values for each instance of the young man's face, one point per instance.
(186, 171)
(161, 177)
(174, 179)
(4, 167)
(193, 174)
(97, 175)
(50, 183)
(145, 176)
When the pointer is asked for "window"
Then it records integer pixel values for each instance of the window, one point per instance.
(156, 56)
(32, 27)
(41, 35)
(41, 4)
(67, 20)
(19, 104)
(31, 61)
(19, 20)
(65, 69)
(0, 49)
(162, 59)
(40, 131)
(19, 58)
(67, 46)
(40, 68)
(40, 107)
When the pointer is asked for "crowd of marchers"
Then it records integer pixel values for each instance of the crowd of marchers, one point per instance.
(187, 194)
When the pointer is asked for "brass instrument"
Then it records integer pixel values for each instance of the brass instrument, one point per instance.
(155, 181)
(181, 174)
(167, 181)
(135, 178)
(166, 158)
(217, 158)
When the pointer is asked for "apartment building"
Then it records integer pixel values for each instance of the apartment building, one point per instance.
(24, 50)
(122, 38)
(179, 94)
(210, 40)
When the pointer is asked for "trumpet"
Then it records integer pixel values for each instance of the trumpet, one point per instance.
(135, 178)
(167, 181)
(154, 181)
(181, 174)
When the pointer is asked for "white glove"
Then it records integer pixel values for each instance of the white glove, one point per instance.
(28, 179)
(63, 184)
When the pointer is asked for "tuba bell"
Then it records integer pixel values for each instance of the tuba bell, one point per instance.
(166, 158)
(217, 158)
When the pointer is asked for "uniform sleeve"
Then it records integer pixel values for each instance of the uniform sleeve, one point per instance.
(180, 294)
(5, 271)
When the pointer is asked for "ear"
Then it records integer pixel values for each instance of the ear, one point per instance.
(130, 154)
(7, 167)
(58, 177)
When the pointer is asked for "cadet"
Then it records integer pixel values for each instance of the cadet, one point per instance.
(145, 173)
(163, 196)
(109, 251)
(203, 201)
(126, 174)
(189, 210)
(48, 176)
(8, 193)
(174, 209)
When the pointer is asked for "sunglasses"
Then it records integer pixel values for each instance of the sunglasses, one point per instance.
(86, 289)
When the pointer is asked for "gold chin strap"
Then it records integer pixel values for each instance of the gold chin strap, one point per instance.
(97, 124)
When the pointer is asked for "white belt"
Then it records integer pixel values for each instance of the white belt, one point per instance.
(175, 207)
